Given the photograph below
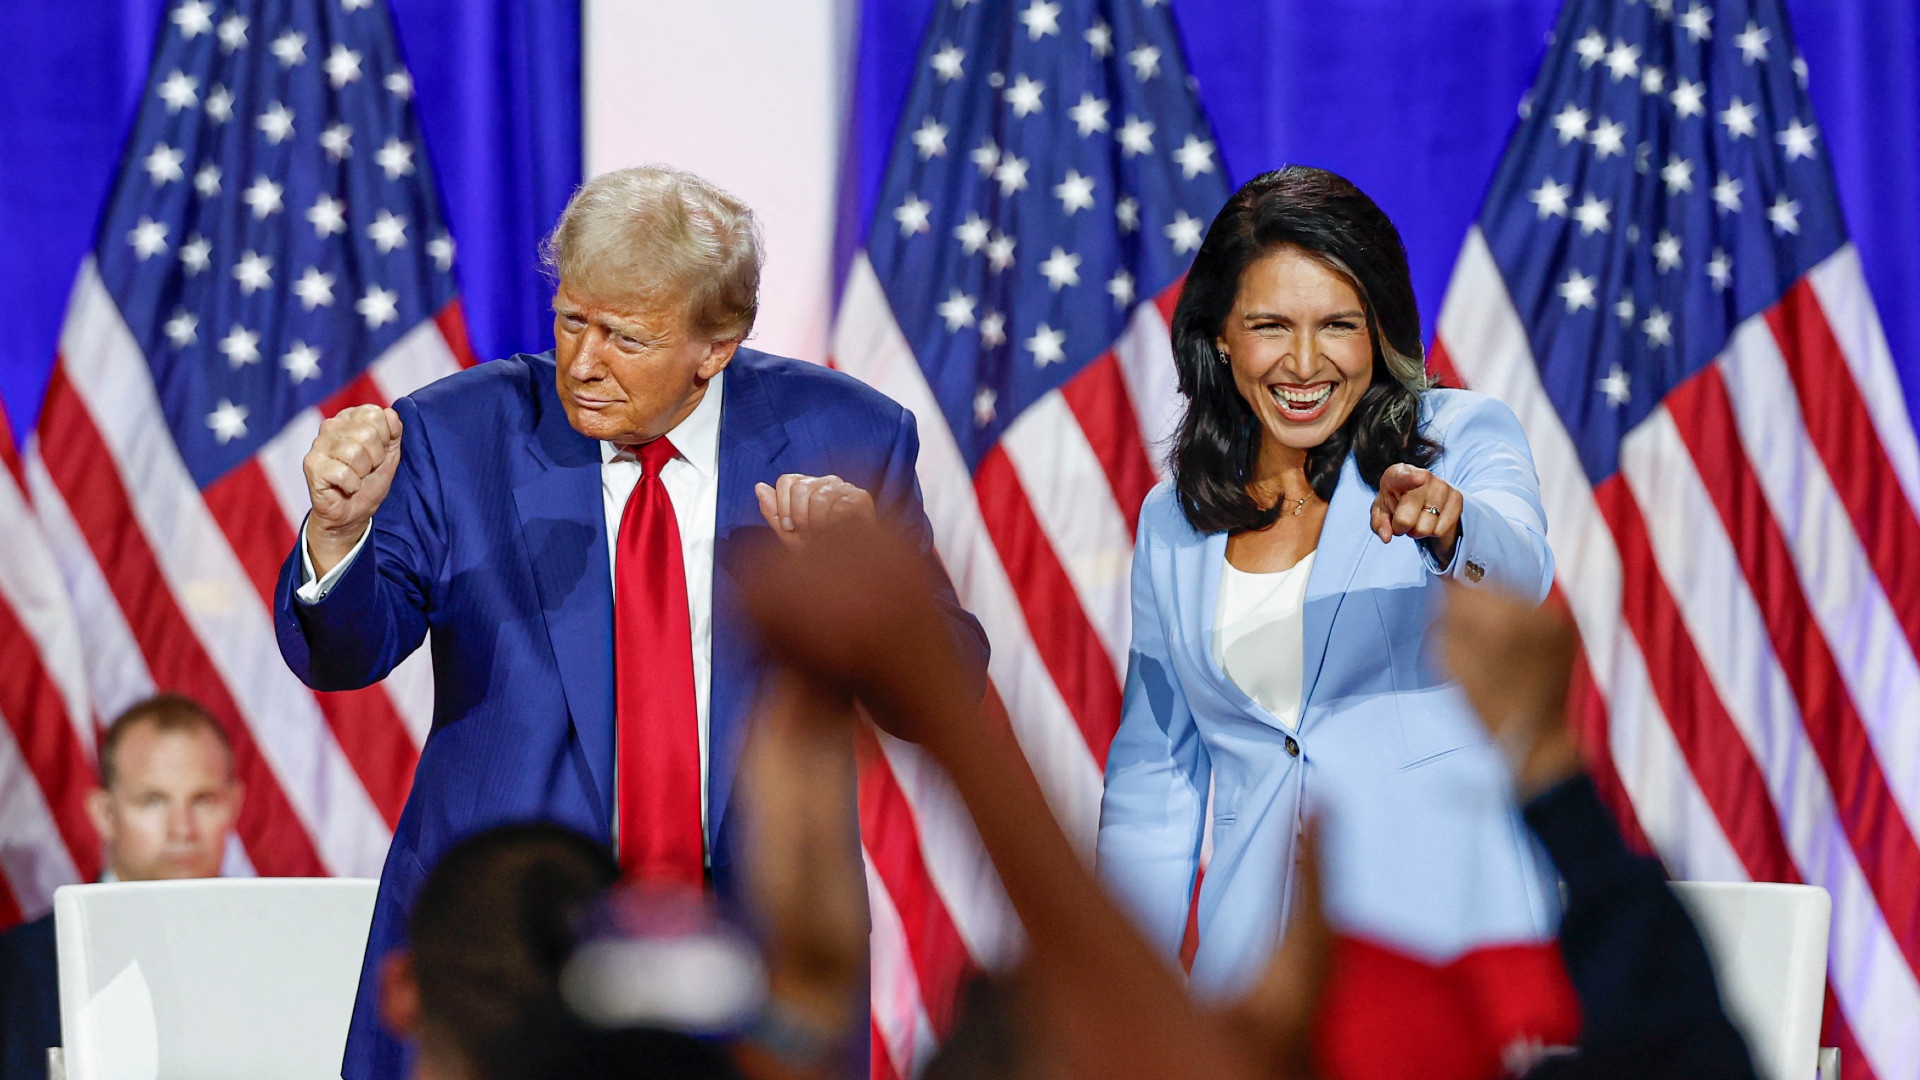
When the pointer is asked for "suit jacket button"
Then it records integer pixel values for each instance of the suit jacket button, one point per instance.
(1475, 571)
(1293, 748)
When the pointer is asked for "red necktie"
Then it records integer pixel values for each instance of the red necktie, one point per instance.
(658, 741)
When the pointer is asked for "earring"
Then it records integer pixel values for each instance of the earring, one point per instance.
(1225, 357)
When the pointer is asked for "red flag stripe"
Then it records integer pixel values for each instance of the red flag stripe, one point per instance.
(1105, 411)
(1714, 751)
(276, 838)
(37, 714)
(1065, 638)
(1875, 828)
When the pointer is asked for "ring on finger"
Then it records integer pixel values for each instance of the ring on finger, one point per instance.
(1434, 510)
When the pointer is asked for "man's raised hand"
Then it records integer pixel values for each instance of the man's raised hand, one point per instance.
(349, 470)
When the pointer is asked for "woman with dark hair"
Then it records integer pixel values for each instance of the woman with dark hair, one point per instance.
(1282, 584)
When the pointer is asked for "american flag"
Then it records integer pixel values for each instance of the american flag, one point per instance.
(1052, 178)
(1661, 285)
(272, 251)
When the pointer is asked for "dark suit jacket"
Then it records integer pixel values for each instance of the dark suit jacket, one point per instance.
(29, 1000)
(494, 537)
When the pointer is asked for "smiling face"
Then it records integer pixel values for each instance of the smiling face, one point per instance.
(629, 373)
(1300, 347)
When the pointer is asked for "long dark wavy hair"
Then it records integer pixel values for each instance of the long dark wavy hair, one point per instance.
(1324, 215)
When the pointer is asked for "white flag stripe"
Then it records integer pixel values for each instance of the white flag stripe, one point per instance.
(1145, 354)
(212, 589)
(1725, 624)
(31, 588)
(420, 356)
(1842, 289)
(281, 460)
(1866, 639)
(869, 345)
(898, 1004)
(34, 857)
(1074, 503)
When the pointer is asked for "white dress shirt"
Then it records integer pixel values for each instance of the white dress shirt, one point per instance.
(692, 480)
(1259, 636)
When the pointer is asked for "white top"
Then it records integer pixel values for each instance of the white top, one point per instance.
(1258, 636)
(693, 486)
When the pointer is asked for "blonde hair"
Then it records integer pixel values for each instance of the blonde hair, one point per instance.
(662, 237)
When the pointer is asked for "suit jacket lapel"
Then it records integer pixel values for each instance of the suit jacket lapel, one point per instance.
(753, 439)
(1345, 539)
(556, 490)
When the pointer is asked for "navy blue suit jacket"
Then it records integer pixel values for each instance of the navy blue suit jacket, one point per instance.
(29, 999)
(494, 538)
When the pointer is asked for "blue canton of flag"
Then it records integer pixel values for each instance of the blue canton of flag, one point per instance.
(275, 227)
(1053, 169)
(1665, 184)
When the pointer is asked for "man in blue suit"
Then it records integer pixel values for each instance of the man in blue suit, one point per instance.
(570, 528)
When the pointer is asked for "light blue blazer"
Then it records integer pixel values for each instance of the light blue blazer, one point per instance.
(1422, 847)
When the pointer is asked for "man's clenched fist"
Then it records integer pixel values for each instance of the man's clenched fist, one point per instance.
(349, 471)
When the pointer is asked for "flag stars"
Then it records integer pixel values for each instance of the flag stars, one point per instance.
(1726, 194)
(207, 181)
(195, 254)
(993, 329)
(1011, 174)
(163, 164)
(1099, 38)
(1000, 252)
(1594, 215)
(337, 141)
(378, 307)
(930, 138)
(1075, 192)
(315, 289)
(1624, 310)
(1608, 138)
(181, 329)
(1799, 66)
(1738, 118)
(1061, 269)
(148, 237)
(1578, 291)
(399, 84)
(949, 62)
(395, 159)
(1184, 232)
(1194, 157)
(1697, 21)
(1120, 287)
(1653, 80)
(1658, 326)
(983, 400)
(241, 346)
(1784, 215)
(1591, 48)
(195, 17)
(328, 216)
(302, 362)
(254, 272)
(1666, 252)
(1024, 96)
(1752, 42)
(1720, 270)
(1570, 123)
(1677, 174)
(219, 104)
(1797, 139)
(972, 233)
(440, 250)
(1623, 60)
(1041, 19)
(986, 157)
(1550, 199)
(276, 123)
(289, 48)
(957, 310)
(912, 215)
(1145, 61)
(1689, 98)
(1136, 137)
(1047, 345)
(1616, 387)
(1090, 115)
(342, 66)
(263, 197)
(233, 33)
(228, 421)
(389, 232)
(179, 90)
(1126, 213)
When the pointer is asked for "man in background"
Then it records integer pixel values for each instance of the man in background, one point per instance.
(166, 804)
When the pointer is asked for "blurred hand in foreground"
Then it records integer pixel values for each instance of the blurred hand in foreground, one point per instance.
(1513, 660)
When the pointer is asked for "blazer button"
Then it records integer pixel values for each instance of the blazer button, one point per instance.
(1475, 571)
(1293, 748)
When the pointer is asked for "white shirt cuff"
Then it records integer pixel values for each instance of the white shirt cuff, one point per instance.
(311, 591)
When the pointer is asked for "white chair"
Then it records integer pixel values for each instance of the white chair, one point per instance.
(1768, 944)
(217, 979)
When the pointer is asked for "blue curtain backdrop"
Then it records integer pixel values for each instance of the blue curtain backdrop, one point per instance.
(1412, 99)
